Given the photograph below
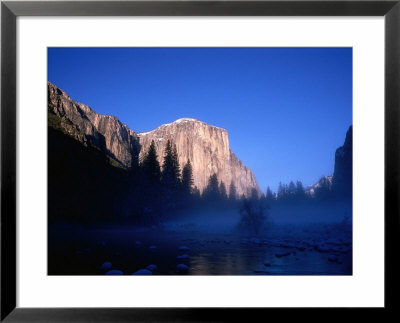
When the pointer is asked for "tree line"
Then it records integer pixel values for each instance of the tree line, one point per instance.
(162, 189)
(171, 178)
(157, 190)
(85, 187)
(295, 192)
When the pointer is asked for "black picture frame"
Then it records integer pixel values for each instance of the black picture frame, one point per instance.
(10, 10)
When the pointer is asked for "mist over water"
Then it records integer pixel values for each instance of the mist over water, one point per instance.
(293, 241)
(206, 221)
(301, 215)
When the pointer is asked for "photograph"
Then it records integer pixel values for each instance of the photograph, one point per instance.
(200, 161)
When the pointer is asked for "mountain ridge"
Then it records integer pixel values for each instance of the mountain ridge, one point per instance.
(179, 121)
(205, 145)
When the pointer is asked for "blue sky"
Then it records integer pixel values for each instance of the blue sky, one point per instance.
(286, 109)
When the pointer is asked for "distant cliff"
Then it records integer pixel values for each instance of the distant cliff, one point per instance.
(325, 183)
(206, 146)
(341, 181)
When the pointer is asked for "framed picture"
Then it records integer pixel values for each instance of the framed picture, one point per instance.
(194, 155)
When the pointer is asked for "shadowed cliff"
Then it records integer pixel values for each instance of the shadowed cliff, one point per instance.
(206, 146)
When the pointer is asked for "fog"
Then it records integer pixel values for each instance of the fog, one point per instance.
(309, 239)
(299, 215)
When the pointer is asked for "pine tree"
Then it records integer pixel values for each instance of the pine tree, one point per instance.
(292, 188)
(300, 190)
(324, 190)
(268, 195)
(167, 164)
(254, 194)
(187, 178)
(212, 190)
(170, 175)
(176, 167)
(232, 191)
(196, 193)
(281, 190)
(253, 215)
(222, 190)
(150, 164)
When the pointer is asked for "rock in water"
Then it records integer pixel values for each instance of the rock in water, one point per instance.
(142, 272)
(182, 269)
(114, 273)
(105, 266)
(152, 267)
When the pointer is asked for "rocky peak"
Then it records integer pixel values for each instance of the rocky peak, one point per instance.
(206, 146)
(325, 183)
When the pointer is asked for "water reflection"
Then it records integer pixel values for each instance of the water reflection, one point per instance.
(208, 253)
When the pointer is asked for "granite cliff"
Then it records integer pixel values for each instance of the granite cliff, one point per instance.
(206, 146)
(104, 132)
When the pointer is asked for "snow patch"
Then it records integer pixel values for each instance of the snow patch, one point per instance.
(140, 134)
(179, 121)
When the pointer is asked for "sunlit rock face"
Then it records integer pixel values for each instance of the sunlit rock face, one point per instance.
(104, 132)
(324, 183)
(207, 148)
